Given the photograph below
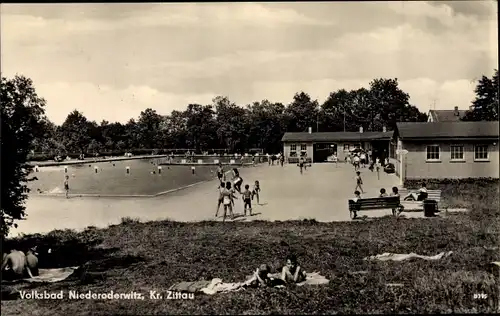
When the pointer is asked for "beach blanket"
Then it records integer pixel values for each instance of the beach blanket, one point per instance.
(217, 286)
(191, 287)
(312, 278)
(48, 276)
(400, 257)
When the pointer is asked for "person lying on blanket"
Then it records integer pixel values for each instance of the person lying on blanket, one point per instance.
(16, 265)
(292, 272)
(260, 277)
(263, 278)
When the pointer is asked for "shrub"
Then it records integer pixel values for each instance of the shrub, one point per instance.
(471, 193)
(435, 184)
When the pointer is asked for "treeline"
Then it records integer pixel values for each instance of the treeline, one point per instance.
(224, 124)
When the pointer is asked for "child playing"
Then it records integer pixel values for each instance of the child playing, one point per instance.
(256, 190)
(66, 186)
(292, 272)
(383, 193)
(395, 191)
(357, 197)
(220, 172)
(232, 191)
(247, 200)
(371, 167)
(301, 164)
(356, 162)
(377, 165)
(228, 201)
(238, 180)
(221, 188)
(359, 182)
(400, 208)
(260, 277)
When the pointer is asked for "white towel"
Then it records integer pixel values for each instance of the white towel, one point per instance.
(49, 275)
(400, 257)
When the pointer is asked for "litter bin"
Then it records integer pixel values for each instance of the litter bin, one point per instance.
(430, 208)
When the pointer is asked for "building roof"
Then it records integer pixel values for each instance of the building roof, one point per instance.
(336, 136)
(426, 130)
(446, 115)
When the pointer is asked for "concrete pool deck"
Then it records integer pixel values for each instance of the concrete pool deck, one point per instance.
(320, 193)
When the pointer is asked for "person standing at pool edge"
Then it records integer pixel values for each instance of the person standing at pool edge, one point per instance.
(247, 200)
(66, 185)
(220, 172)
(221, 188)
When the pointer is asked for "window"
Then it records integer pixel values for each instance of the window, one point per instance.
(457, 152)
(293, 150)
(481, 152)
(433, 152)
(392, 150)
(303, 150)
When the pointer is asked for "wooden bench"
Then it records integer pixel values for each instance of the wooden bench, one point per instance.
(390, 202)
(418, 205)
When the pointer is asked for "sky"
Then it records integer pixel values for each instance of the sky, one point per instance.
(112, 61)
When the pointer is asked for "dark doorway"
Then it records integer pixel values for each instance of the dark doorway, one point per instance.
(380, 149)
(323, 150)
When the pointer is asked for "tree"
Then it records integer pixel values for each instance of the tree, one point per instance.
(334, 110)
(391, 104)
(175, 130)
(267, 125)
(22, 116)
(485, 105)
(201, 128)
(232, 123)
(302, 113)
(113, 134)
(75, 133)
(148, 127)
(132, 135)
(46, 140)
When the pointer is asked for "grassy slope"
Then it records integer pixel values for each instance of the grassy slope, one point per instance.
(153, 256)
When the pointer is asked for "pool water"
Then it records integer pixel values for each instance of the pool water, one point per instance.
(111, 178)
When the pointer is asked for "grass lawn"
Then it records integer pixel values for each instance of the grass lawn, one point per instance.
(112, 179)
(154, 255)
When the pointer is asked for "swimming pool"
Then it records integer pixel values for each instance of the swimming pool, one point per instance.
(112, 178)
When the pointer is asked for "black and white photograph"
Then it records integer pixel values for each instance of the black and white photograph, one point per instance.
(250, 158)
